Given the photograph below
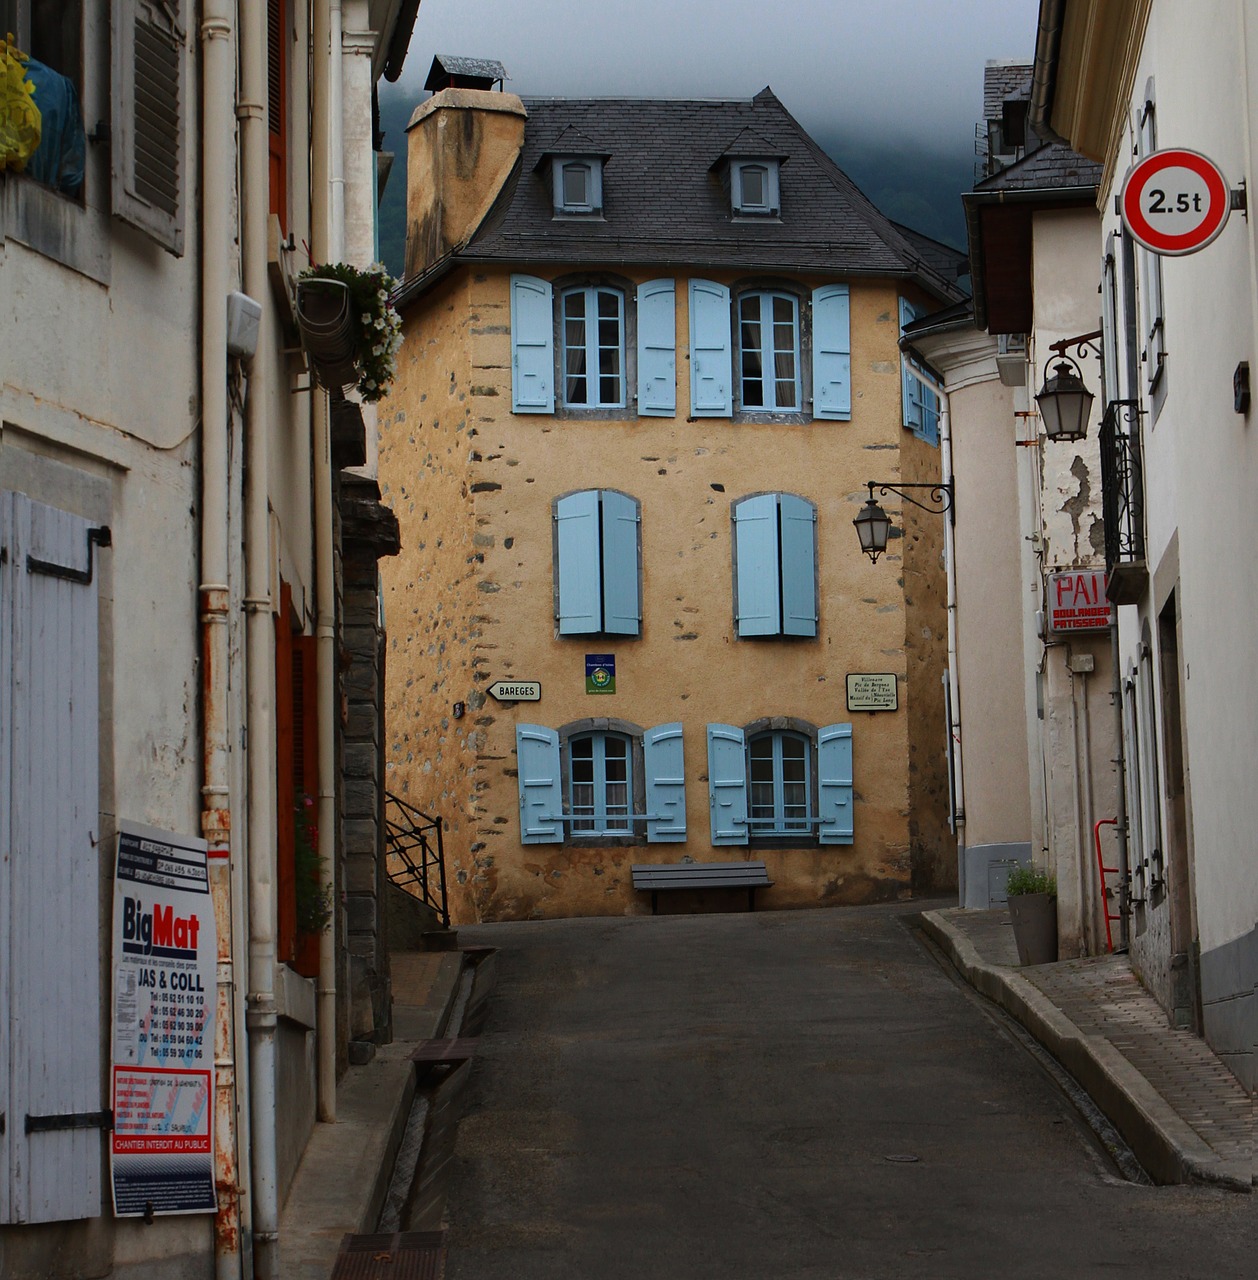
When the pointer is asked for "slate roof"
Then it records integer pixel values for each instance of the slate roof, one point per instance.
(664, 204)
(1005, 82)
(949, 262)
(1051, 166)
(454, 65)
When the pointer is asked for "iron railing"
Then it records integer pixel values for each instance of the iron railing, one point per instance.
(416, 858)
(1122, 493)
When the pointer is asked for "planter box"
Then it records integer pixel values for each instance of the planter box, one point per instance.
(1034, 917)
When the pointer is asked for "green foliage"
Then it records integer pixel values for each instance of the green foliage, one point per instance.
(1023, 880)
(314, 901)
(377, 325)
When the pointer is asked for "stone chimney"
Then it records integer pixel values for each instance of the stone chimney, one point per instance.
(461, 146)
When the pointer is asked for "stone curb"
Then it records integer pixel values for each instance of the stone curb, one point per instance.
(1170, 1150)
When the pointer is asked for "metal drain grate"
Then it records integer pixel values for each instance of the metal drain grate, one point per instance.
(398, 1255)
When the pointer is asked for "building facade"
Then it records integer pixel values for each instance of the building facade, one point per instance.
(651, 361)
(1119, 82)
(175, 536)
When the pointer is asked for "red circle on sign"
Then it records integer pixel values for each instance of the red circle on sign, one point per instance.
(1137, 184)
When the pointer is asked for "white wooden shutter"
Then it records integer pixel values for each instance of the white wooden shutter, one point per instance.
(622, 603)
(51, 873)
(711, 366)
(541, 790)
(834, 784)
(1153, 337)
(798, 533)
(664, 763)
(1109, 320)
(532, 346)
(149, 144)
(657, 349)
(758, 608)
(727, 784)
(832, 352)
(579, 592)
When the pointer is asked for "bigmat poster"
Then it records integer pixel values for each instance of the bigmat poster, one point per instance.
(162, 1146)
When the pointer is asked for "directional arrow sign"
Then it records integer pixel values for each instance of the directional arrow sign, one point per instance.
(516, 690)
(1175, 201)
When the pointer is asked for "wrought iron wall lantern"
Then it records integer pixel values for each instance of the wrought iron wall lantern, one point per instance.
(873, 525)
(1065, 403)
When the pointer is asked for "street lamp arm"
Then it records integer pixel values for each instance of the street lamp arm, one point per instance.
(941, 495)
(1082, 343)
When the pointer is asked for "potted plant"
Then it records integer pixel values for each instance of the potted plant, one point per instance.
(349, 327)
(1033, 911)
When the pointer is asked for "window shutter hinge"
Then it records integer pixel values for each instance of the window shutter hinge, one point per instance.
(99, 536)
(70, 1120)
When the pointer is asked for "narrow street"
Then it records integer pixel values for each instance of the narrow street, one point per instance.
(787, 1094)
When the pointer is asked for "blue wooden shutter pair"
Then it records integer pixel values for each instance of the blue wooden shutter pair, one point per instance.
(657, 349)
(540, 784)
(921, 405)
(775, 546)
(727, 784)
(52, 1029)
(832, 352)
(532, 346)
(711, 362)
(596, 552)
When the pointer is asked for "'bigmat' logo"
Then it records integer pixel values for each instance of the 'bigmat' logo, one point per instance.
(158, 932)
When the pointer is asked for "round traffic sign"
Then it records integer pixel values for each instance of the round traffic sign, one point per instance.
(1175, 201)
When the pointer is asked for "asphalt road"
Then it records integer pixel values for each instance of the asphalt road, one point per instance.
(787, 1094)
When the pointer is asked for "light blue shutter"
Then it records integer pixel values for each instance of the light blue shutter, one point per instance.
(727, 784)
(50, 871)
(799, 565)
(834, 784)
(657, 349)
(541, 792)
(910, 388)
(622, 604)
(711, 369)
(664, 762)
(757, 610)
(579, 604)
(832, 352)
(532, 346)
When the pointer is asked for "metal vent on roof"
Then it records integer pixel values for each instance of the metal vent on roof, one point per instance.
(399, 1255)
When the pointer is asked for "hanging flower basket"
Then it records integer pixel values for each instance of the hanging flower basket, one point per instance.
(349, 327)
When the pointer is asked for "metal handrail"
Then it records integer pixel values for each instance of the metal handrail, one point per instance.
(413, 839)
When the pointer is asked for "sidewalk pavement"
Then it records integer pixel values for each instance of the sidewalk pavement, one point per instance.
(1182, 1112)
(344, 1173)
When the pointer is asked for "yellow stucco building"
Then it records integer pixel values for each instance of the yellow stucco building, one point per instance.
(651, 360)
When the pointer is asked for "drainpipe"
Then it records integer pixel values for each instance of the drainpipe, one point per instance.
(950, 572)
(260, 649)
(218, 53)
(328, 190)
(1120, 763)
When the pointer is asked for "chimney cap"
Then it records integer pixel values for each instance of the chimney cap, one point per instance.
(449, 71)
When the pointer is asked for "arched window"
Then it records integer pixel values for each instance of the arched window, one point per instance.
(600, 783)
(779, 774)
(593, 347)
(768, 352)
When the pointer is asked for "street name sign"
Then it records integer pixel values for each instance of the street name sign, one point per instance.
(1175, 201)
(516, 690)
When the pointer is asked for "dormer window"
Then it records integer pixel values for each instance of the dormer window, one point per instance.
(578, 185)
(754, 187)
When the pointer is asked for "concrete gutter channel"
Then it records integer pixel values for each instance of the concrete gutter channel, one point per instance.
(1168, 1147)
(369, 1165)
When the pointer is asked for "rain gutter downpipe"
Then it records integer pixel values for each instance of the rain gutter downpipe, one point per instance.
(251, 112)
(217, 163)
(950, 572)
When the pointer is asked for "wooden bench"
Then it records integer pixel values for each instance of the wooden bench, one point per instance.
(655, 879)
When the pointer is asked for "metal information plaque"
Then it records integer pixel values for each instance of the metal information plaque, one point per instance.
(872, 691)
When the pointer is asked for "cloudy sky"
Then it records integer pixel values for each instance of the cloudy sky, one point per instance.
(895, 68)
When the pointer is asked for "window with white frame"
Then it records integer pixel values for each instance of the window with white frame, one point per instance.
(754, 187)
(597, 563)
(752, 352)
(577, 185)
(768, 352)
(601, 781)
(775, 565)
(781, 780)
(593, 347)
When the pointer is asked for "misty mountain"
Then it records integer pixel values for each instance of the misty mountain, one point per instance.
(913, 186)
